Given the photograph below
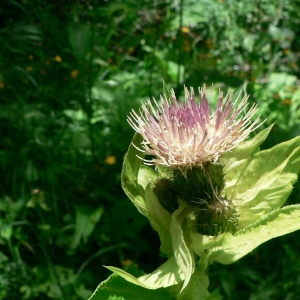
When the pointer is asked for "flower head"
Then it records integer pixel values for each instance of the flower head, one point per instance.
(186, 135)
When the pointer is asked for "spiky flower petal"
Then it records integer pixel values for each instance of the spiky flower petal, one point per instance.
(186, 135)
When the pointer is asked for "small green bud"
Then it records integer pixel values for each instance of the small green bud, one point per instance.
(165, 192)
(216, 216)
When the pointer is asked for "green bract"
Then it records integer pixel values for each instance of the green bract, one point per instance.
(257, 183)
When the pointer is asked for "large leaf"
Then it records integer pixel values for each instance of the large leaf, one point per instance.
(266, 181)
(166, 275)
(183, 255)
(146, 175)
(160, 220)
(227, 248)
(235, 159)
(137, 181)
(129, 176)
(116, 287)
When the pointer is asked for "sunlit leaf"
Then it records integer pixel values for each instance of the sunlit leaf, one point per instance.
(146, 175)
(129, 176)
(183, 255)
(235, 160)
(117, 288)
(160, 220)
(227, 248)
(266, 180)
(166, 275)
(274, 224)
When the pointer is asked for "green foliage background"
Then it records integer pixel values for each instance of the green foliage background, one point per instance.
(70, 72)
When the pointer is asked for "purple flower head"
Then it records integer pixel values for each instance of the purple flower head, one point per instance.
(183, 135)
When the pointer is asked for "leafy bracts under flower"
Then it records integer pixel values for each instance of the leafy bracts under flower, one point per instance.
(186, 135)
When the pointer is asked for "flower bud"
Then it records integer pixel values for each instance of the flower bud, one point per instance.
(216, 216)
(165, 192)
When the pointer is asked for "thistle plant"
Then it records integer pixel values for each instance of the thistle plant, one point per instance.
(207, 191)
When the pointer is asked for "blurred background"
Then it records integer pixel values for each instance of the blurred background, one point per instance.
(70, 72)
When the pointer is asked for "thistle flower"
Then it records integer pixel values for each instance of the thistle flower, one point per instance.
(185, 135)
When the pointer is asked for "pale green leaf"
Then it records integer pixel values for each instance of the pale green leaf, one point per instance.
(116, 287)
(135, 178)
(266, 181)
(160, 220)
(146, 175)
(183, 256)
(229, 248)
(202, 245)
(236, 159)
(166, 275)
(129, 175)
